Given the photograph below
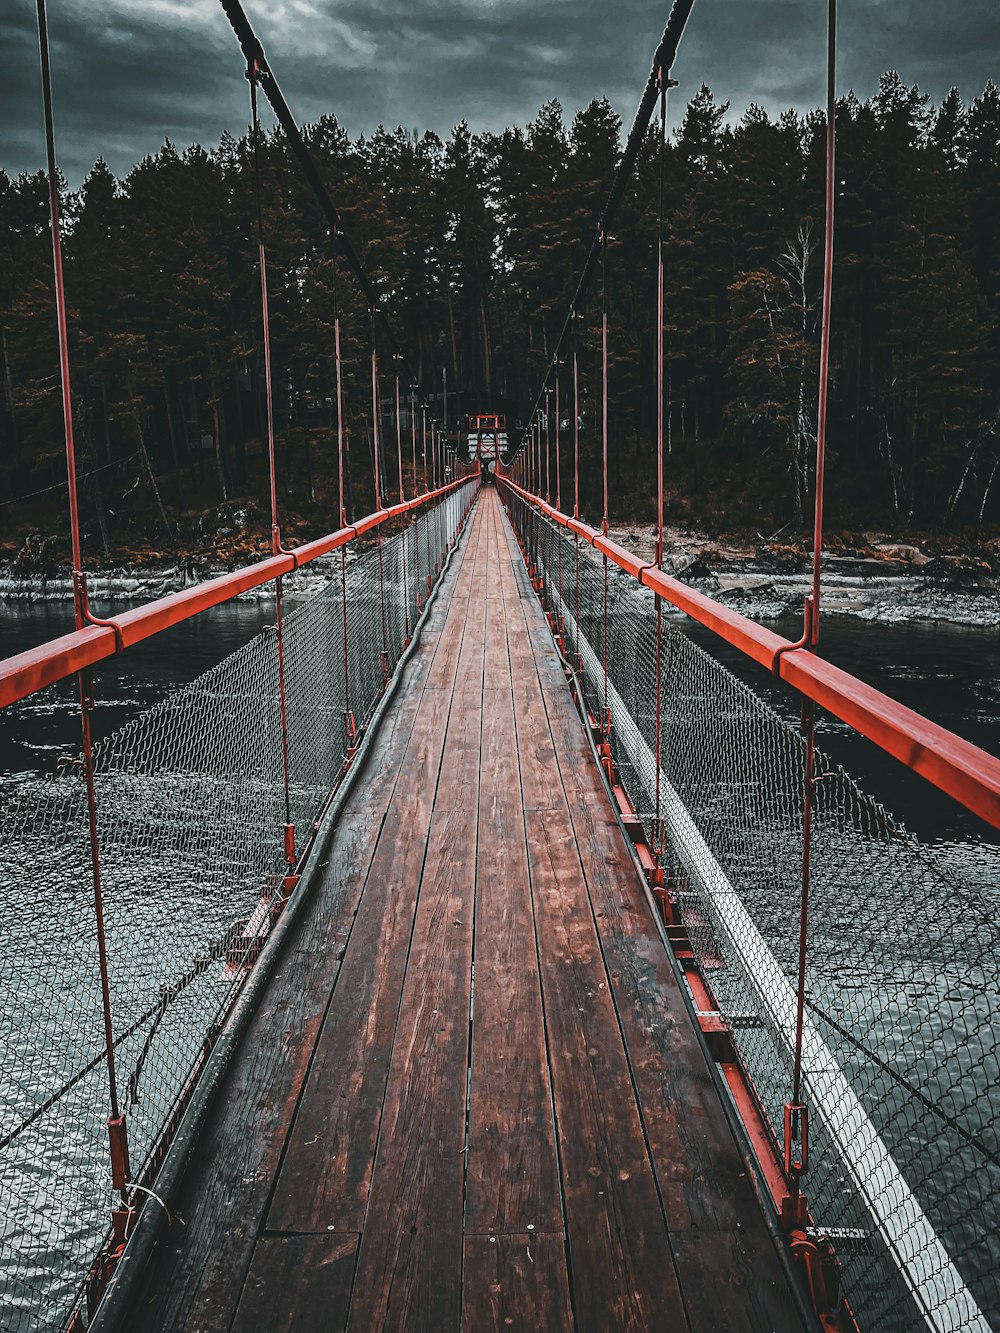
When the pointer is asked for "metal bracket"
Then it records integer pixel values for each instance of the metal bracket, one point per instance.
(118, 1139)
(796, 1139)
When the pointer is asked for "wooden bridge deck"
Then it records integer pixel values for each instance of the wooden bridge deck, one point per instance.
(472, 1097)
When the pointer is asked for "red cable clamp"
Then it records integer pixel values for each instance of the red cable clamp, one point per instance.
(118, 1139)
(805, 642)
(278, 549)
(796, 1139)
(83, 601)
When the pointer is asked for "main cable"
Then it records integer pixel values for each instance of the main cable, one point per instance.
(255, 58)
(662, 62)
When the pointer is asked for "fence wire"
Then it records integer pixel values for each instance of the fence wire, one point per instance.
(902, 1036)
(191, 811)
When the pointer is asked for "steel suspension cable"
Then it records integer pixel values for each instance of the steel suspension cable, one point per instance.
(658, 836)
(117, 1133)
(376, 463)
(605, 713)
(402, 498)
(253, 51)
(796, 1113)
(276, 547)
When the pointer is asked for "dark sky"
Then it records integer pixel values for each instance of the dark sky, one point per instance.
(130, 72)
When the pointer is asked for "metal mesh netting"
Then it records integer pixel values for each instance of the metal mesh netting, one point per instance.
(191, 811)
(903, 983)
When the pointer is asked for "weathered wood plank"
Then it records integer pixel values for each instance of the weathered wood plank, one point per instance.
(512, 1180)
(298, 1284)
(700, 1171)
(326, 1171)
(622, 1269)
(516, 1284)
(409, 1267)
(196, 1273)
(729, 1289)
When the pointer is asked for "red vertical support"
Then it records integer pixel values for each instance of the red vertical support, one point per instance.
(796, 1140)
(605, 713)
(416, 491)
(427, 520)
(117, 1134)
(348, 714)
(559, 545)
(276, 548)
(376, 449)
(657, 838)
(548, 446)
(576, 481)
(402, 498)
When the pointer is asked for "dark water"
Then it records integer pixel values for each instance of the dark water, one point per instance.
(948, 673)
(36, 732)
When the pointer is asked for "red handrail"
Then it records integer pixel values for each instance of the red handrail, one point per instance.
(26, 673)
(956, 766)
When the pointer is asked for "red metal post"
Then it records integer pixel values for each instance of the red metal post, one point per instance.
(117, 1132)
(660, 405)
(605, 712)
(548, 445)
(796, 1156)
(276, 547)
(376, 449)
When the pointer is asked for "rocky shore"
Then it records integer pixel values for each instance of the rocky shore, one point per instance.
(878, 580)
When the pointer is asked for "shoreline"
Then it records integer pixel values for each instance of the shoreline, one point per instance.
(762, 585)
(887, 582)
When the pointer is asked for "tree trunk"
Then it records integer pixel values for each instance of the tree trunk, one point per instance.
(137, 418)
(217, 436)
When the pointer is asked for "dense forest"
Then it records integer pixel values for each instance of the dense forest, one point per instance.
(475, 243)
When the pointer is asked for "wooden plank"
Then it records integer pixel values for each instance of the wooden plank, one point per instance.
(195, 1275)
(458, 788)
(298, 1284)
(512, 1168)
(745, 1296)
(512, 1178)
(326, 1171)
(409, 1268)
(701, 1174)
(516, 1284)
(621, 1265)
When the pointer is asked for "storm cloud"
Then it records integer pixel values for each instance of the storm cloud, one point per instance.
(129, 73)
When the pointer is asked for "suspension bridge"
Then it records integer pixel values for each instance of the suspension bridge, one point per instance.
(471, 949)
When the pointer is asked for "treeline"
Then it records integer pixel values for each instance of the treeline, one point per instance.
(476, 242)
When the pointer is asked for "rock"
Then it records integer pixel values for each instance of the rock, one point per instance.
(959, 571)
(898, 551)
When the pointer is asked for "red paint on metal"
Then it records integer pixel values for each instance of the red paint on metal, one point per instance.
(954, 765)
(26, 673)
(121, 1169)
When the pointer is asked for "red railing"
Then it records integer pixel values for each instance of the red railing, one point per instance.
(30, 671)
(954, 765)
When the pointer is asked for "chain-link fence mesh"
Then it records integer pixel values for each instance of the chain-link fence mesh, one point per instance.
(902, 1034)
(191, 809)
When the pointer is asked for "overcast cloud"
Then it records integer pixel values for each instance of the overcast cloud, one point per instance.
(129, 73)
